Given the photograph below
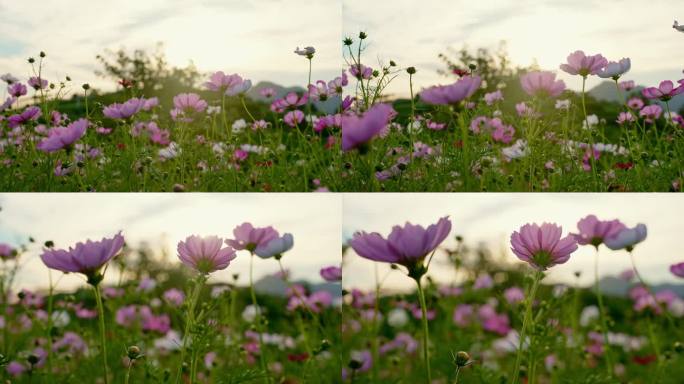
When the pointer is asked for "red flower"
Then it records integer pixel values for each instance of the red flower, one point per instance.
(644, 360)
(297, 357)
(625, 165)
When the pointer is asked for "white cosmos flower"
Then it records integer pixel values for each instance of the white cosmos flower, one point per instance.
(306, 51)
(614, 70)
(275, 247)
(627, 238)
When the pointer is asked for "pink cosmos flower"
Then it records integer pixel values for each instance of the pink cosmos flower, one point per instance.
(625, 117)
(677, 269)
(583, 65)
(31, 113)
(37, 83)
(361, 71)
(289, 102)
(16, 89)
(267, 92)
(331, 273)
(87, 258)
(320, 91)
(542, 246)
(230, 85)
(248, 237)
(665, 91)
(7, 252)
(204, 254)
(123, 111)
(63, 137)
(463, 314)
(635, 103)
(492, 97)
(293, 118)
(627, 85)
(614, 70)
(651, 113)
(189, 102)
(359, 130)
(407, 245)
(593, 231)
(540, 83)
(514, 295)
(451, 94)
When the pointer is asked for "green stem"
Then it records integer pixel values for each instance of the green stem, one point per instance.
(262, 352)
(602, 316)
(527, 322)
(426, 337)
(190, 319)
(242, 99)
(103, 339)
(128, 371)
(49, 324)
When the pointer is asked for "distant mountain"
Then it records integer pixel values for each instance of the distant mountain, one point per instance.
(329, 106)
(614, 286)
(606, 92)
(275, 286)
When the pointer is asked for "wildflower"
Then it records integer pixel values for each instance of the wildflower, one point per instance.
(267, 92)
(583, 65)
(276, 247)
(8, 78)
(627, 85)
(678, 27)
(361, 71)
(625, 117)
(289, 102)
(677, 269)
(542, 83)
(37, 83)
(230, 85)
(542, 246)
(492, 97)
(186, 104)
(87, 258)
(31, 113)
(635, 103)
(563, 104)
(125, 110)
(331, 273)
(651, 113)
(16, 89)
(451, 94)
(627, 238)
(514, 295)
(63, 137)
(248, 237)
(293, 118)
(359, 130)
(593, 231)
(205, 254)
(407, 245)
(614, 70)
(665, 91)
(308, 52)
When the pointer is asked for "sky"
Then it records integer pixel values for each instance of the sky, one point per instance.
(490, 218)
(165, 219)
(254, 38)
(414, 33)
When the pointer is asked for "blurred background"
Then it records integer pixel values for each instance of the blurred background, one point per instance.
(541, 32)
(255, 39)
(486, 220)
(153, 224)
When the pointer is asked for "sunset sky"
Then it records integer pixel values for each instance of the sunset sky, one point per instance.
(413, 34)
(490, 218)
(164, 219)
(253, 38)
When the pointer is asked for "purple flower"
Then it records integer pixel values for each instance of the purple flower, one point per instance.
(276, 247)
(331, 273)
(230, 85)
(358, 130)
(63, 137)
(583, 65)
(189, 102)
(7, 252)
(542, 246)
(651, 113)
(514, 295)
(542, 83)
(29, 114)
(205, 254)
(407, 245)
(16, 89)
(451, 94)
(677, 269)
(37, 83)
(614, 70)
(174, 296)
(249, 238)
(125, 110)
(289, 102)
(293, 118)
(627, 238)
(665, 91)
(86, 258)
(594, 231)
